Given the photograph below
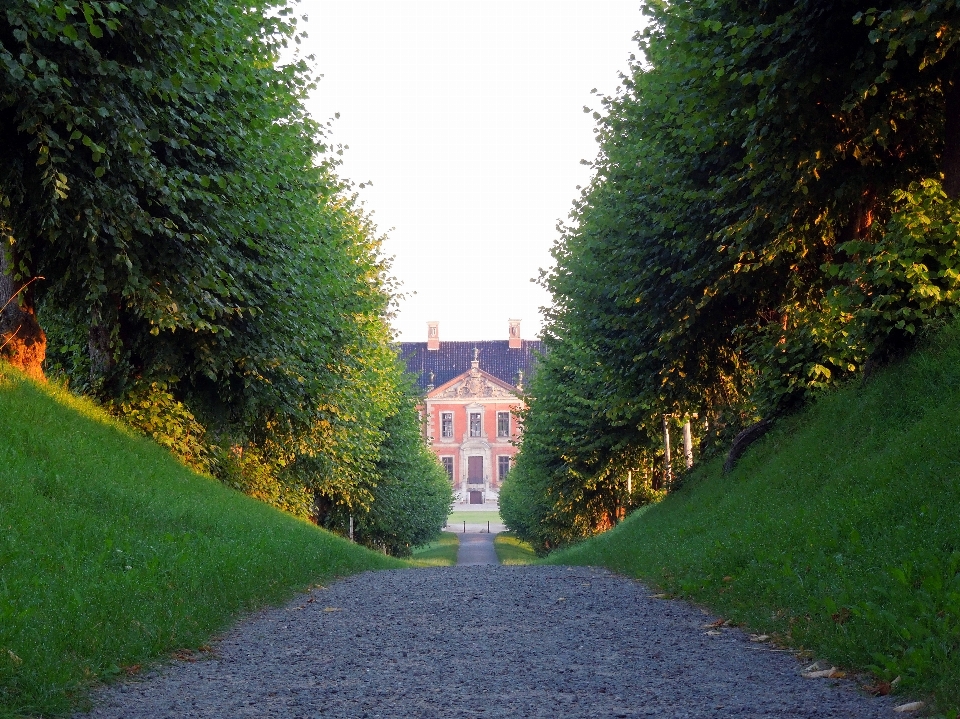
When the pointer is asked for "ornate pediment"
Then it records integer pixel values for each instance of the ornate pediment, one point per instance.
(475, 385)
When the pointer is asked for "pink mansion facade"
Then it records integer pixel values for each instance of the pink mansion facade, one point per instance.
(472, 392)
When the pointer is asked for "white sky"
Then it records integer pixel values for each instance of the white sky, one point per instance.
(467, 117)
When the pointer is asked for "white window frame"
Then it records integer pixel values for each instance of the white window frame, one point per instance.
(499, 417)
(479, 431)
(443, 417)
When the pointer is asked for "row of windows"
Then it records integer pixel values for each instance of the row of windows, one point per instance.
(503, 466)
(475, 424)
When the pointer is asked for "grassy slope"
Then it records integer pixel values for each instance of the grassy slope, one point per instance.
(441, 552)
(112, 554)
(512, 550)
(839, 532)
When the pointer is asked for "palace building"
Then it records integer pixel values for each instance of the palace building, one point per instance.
(471, 394)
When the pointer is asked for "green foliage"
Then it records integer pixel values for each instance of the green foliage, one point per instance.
(247, 470)
(836, 533)
(146, 147)
(766, 217)
(413, 495)
(907, 275)
(153, 410)
(207, 273)
(114, 555)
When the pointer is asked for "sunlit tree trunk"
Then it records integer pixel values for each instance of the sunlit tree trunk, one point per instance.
(687, 445)
(667, 467)
(24, 342)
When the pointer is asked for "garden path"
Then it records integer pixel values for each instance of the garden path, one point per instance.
(486, 641)
(476, 549)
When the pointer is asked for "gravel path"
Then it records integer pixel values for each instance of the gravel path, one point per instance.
(476, 549)
(485, 641)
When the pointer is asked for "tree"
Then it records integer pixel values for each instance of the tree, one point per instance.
(155, 157)
(756, 228)
(413, 496)
(207, 273)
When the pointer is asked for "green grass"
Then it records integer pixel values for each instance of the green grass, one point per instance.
(113, 555)
(512, 550)
(458, 518)
(439, 553)
(839, 532)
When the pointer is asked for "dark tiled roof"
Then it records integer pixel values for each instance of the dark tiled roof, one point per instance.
(453, 359)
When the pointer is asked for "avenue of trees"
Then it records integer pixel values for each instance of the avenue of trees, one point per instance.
(178, 244)
(773, 210)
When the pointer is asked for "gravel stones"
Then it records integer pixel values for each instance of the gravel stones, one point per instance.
(485, 641)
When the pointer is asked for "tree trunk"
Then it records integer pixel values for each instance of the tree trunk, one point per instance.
(100, 348)
(951, 145)
(667, 467)
(743, 440)
(24, 344)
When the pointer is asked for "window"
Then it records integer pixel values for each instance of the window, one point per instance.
(474, 424)
(503, 467)
(448, 466)
(446, 425)
(503, 424)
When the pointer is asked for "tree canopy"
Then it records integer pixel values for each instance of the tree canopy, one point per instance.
(177, 241)
(773, 208)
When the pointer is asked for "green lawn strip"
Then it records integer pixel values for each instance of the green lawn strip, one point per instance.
(511, 550)
(439, 553)
(838, 533)
(112, 554)
(458, 518)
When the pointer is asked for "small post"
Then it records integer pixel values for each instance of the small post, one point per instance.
(667, 470)
(488, 526)
(629, 481)
(464, 526)
(351, 527)
(687, 444)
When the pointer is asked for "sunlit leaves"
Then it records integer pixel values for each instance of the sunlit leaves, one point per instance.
(752, 233)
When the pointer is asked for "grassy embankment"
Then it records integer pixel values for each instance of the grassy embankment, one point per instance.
(839, 532)
(512, 550)
(113, 555)
(439, 553)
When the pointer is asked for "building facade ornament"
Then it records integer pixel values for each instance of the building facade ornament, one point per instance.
(476, 386)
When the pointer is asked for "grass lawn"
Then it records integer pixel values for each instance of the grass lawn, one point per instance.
(483, 517)
(440, 553)
(113, 555)
(511, 550)
(839, 532)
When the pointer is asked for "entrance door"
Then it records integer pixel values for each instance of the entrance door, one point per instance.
(476, 497)
(475, 470)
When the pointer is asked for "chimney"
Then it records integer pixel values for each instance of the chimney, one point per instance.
(433, 335)
(515, 341)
